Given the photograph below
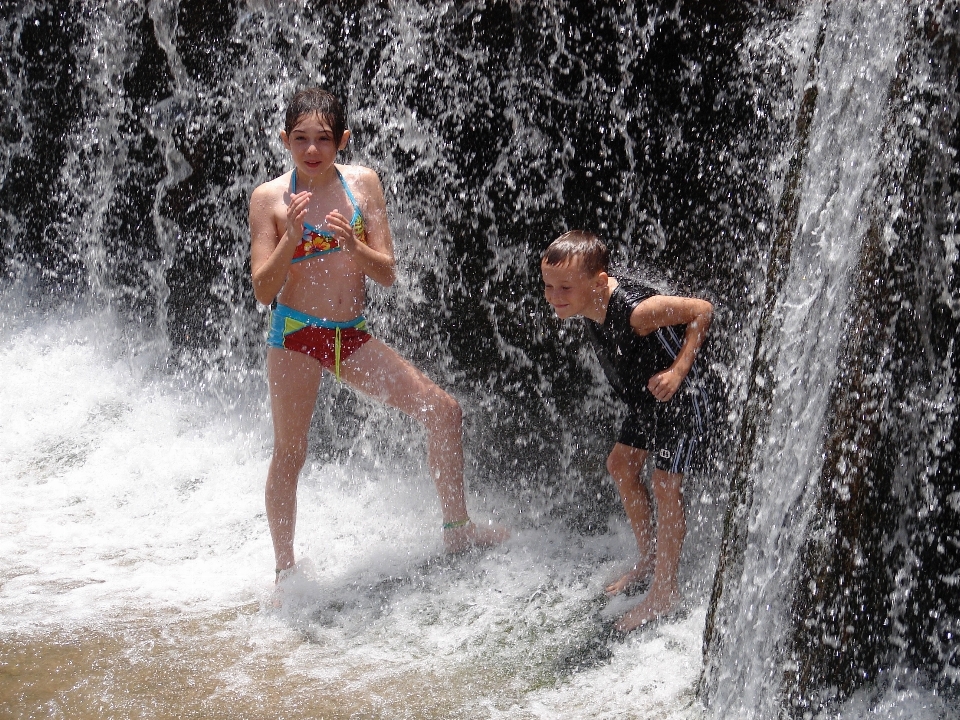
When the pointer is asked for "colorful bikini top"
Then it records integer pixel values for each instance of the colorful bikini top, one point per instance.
(317, 242)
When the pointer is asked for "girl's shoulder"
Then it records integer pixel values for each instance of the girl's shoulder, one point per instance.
(273, 189)
(364, 183)
(359, 175)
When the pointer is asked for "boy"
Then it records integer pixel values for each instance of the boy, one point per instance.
(648, 358)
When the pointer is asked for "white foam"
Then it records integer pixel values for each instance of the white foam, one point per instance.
(125, 497)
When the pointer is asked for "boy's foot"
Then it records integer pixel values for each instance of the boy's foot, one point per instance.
(640, 573)
(466, 537)
(654, 606)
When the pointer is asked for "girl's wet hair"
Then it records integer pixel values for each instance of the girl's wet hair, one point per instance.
(578, 245)
(319, 101)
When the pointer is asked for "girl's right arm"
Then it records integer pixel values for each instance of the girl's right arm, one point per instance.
(270, 252)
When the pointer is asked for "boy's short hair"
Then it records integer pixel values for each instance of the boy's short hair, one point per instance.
(581, 245)
(320, 101)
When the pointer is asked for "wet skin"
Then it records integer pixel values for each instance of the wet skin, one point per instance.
(332, 287)
(572, 291)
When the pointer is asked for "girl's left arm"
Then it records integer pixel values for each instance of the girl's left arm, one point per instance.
(375, 257)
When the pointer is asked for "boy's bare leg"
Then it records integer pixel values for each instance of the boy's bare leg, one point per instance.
(625, 464)
(664, 594)
(294, 379)
(379, 371)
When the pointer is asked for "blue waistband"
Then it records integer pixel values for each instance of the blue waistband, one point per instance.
(288, 312)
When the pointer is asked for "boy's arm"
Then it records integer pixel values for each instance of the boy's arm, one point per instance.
(663, 310)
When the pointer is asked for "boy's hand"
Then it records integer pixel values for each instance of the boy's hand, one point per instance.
(664, 385)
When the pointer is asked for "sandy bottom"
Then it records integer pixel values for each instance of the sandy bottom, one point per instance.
(222, 666)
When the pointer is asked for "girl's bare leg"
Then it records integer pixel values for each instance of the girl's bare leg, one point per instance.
(664, 593)
(380, 372)
(294, 379)
(625, 464)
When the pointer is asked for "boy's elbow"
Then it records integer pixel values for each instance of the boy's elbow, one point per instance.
(706, 314)
(702, 313)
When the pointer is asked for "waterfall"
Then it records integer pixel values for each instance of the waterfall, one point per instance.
(494, 130)
(854, 71)
(793, 162)
(803, 612)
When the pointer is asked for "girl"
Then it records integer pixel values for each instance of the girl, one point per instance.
(317, 233)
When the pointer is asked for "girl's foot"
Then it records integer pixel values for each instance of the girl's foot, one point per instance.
(461, 538)
(293, 578)
(639, 574)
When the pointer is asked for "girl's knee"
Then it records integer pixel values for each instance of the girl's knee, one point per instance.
(445, 413)
(290, 457)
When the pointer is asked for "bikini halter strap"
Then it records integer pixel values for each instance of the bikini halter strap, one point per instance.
(343, 181)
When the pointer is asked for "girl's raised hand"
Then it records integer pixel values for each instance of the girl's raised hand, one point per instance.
(296, 212)
(341, 229)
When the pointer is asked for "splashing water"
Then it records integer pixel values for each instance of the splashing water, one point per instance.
(136, 565)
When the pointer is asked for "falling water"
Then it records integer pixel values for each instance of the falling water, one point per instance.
(855, 67)
(851, 402)
(136, 565)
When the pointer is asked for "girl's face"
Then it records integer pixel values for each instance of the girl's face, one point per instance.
(313, 145)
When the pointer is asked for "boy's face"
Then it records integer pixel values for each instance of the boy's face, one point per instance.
(570, 289)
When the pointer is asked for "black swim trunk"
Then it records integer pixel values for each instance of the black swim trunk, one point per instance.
(669, 431)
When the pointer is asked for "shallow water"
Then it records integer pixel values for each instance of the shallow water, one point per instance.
(136, 571)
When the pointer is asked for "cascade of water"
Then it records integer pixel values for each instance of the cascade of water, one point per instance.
(811, 467)
(493, 132)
